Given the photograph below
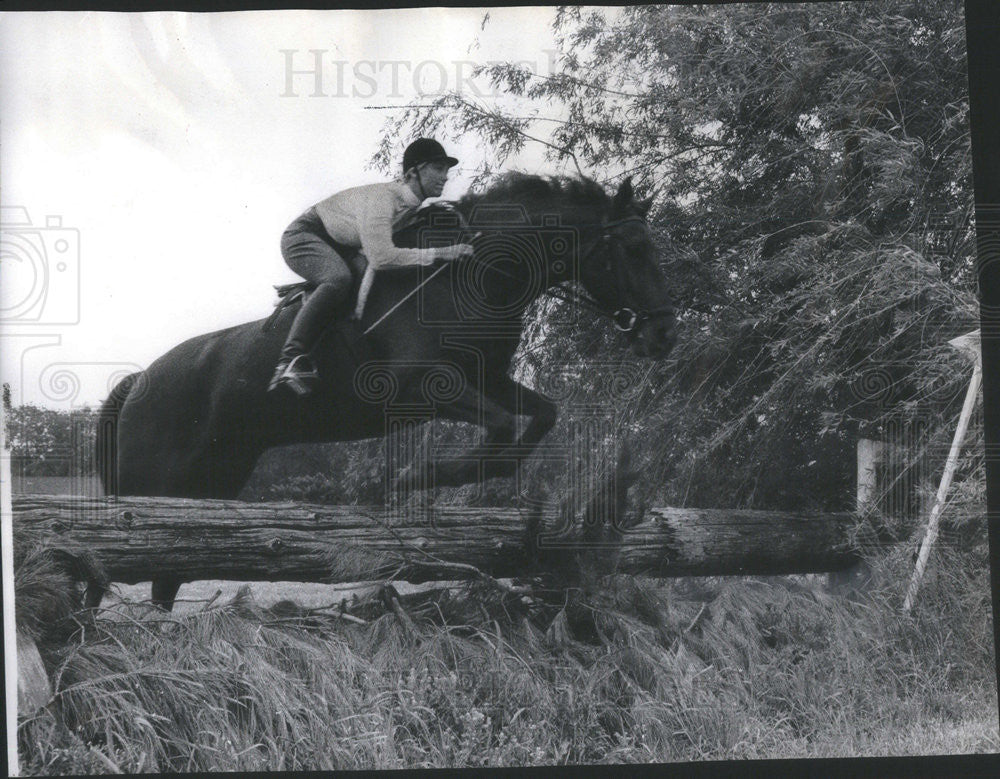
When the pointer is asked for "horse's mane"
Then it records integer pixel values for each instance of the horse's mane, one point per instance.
(539, 192)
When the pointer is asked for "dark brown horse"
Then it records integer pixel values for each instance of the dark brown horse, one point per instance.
(196, 421)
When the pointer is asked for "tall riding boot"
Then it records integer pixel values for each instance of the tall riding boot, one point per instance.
(295, 368)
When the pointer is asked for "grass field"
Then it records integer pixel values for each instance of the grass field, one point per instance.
(631, 671)
(626, 671)
(55, 485)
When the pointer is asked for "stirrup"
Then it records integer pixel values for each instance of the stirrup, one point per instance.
(300, 377)
(279, 371)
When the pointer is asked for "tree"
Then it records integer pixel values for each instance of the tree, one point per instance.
(48, 442)
(812, 174)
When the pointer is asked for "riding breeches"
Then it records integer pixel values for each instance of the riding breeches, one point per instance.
(309, 251)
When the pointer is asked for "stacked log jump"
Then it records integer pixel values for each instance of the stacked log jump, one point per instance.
(138, 538)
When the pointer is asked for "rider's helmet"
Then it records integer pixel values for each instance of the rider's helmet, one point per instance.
(425, 150)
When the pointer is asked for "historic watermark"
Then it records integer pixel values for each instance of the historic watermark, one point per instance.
(318, 73)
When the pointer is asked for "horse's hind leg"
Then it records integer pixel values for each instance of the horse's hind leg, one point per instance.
(165, 591)
(220, 477)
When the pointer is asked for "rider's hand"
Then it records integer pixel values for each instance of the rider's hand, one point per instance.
(455, 252)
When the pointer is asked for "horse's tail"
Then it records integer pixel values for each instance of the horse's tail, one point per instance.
(107, 434)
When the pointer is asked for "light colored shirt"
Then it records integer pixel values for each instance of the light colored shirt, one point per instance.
(367, 217)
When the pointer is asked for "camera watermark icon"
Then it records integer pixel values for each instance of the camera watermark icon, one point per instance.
(317, 73)
(516, 261)
(41, 270)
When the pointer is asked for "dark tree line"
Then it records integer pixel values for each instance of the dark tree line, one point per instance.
(50, 442)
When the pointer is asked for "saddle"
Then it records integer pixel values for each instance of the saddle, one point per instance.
(299, 291)
(288, 295)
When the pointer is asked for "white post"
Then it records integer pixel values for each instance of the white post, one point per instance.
(970, 344)
(869, 453)
(11, 648)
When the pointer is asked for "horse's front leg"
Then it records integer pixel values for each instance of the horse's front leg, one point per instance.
(501, 429)
(502, 451)
(519, 400)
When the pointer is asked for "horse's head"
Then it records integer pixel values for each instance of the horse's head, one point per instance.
(619, 269)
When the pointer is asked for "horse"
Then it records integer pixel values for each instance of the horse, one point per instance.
(195, 422)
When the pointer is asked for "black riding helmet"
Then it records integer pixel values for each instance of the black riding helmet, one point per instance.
(425, 150)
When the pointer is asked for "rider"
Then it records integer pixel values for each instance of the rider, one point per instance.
(318, 243)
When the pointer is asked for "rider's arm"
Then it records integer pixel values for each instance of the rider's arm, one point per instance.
(375, 232)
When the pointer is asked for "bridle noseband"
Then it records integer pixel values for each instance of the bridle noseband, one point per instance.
(624, 319)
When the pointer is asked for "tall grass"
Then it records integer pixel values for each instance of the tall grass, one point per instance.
(644, 671)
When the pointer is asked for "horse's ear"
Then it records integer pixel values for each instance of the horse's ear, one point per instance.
(642, 206)
(624, 195)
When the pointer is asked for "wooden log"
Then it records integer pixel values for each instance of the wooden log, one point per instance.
(138, 538)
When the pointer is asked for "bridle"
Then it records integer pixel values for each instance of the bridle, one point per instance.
(624, 319)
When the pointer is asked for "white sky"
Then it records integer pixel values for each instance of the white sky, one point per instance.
(169, 148)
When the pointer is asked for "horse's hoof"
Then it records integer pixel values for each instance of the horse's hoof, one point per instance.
(410, 481)
(402, 486)
(456, 475)
(500, 469)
